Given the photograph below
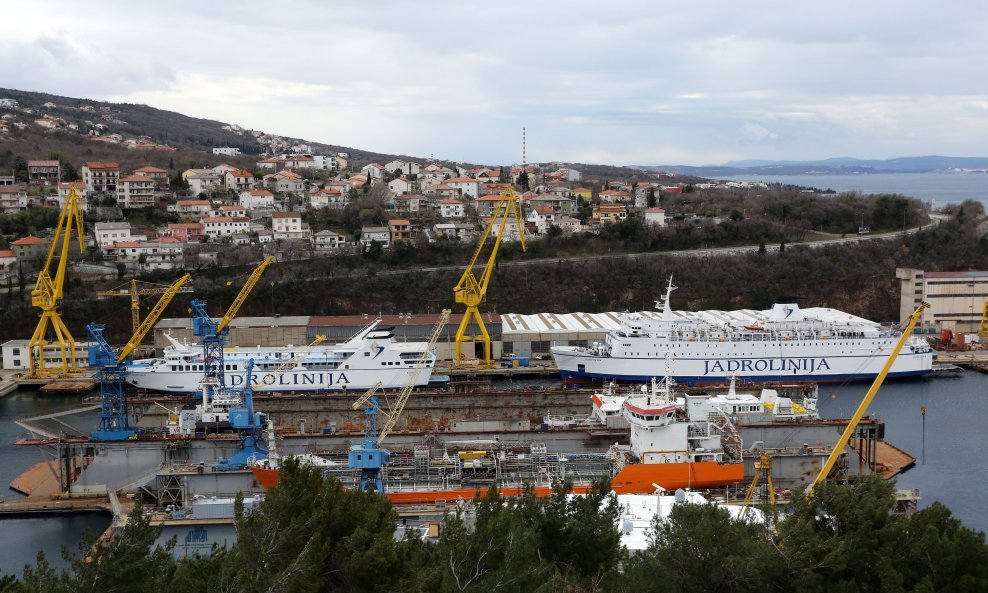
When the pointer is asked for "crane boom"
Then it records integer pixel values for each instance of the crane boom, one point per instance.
(471, 290)
(48, 292)
(252, 280)
(845, 437)
(392, 415)
(152, 318)
(135, 295)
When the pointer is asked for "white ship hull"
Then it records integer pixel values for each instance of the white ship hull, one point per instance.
(717, 362)
(359, 363)
(783, 344)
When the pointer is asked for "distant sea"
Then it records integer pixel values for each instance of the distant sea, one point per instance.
(938, 189)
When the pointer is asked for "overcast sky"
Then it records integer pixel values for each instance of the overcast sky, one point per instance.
(604, 82)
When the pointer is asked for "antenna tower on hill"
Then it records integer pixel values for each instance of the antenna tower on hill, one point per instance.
(523, 147)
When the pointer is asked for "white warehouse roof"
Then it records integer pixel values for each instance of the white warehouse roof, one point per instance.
(513, 323)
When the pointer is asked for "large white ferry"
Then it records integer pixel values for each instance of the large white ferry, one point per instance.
(786, 344)
(370, 356)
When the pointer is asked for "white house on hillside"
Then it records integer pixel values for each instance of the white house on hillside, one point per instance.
(451, 208)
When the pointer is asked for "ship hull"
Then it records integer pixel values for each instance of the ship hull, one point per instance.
(642, 478)
(153, 379)
(269, 478)
(718, 362)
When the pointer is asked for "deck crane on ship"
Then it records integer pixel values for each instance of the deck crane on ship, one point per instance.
(471, 290)
(47, 295)
(368, 456)
(114, 419)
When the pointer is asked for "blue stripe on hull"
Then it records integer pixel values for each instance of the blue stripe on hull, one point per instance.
(710, 380)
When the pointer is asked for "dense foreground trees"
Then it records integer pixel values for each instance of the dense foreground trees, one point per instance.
(312, 535)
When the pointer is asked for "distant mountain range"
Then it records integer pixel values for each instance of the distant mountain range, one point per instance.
(833, 166)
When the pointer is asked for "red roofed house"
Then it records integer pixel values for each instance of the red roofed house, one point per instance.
(135, 191)
(218, 226)
(30, 248)
(193, 207)
(605, 213)
(226, 210)
(285, 181)
(159, 176)
(101, 177)
(540, 219)
(43, 172)
(614, 196)
(256, 198)
(271, 164)
(239, 180)
(451, 208)
(186, 232)
(400, 230)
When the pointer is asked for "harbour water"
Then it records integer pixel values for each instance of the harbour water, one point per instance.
(949, 472)
(22, 538)
(938, 189)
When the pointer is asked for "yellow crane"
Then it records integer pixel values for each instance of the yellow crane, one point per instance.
(248, 286)
(135, 293)
(762, 466)
(48, 292)
(391, 416)
(471, 290)
(112, 372)
(983, 326)
(845, 437)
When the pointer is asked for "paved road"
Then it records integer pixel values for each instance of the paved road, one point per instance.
(714, 251)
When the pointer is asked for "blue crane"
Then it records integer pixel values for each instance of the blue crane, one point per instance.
(111, 371)
(249, 424)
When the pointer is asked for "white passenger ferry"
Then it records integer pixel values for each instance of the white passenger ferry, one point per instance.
(785, 344)
(370, 356)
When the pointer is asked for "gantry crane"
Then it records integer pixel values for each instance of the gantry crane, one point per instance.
(471, 290)
(368, 456)
(213, 333)
(135, 295)
(845, 437)
(47, 294)
(114, 420)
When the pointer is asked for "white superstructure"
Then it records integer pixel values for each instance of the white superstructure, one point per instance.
(784, 344)
(370, 356)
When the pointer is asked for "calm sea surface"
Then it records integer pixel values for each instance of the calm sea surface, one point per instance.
(939, 189)
(953, 470)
